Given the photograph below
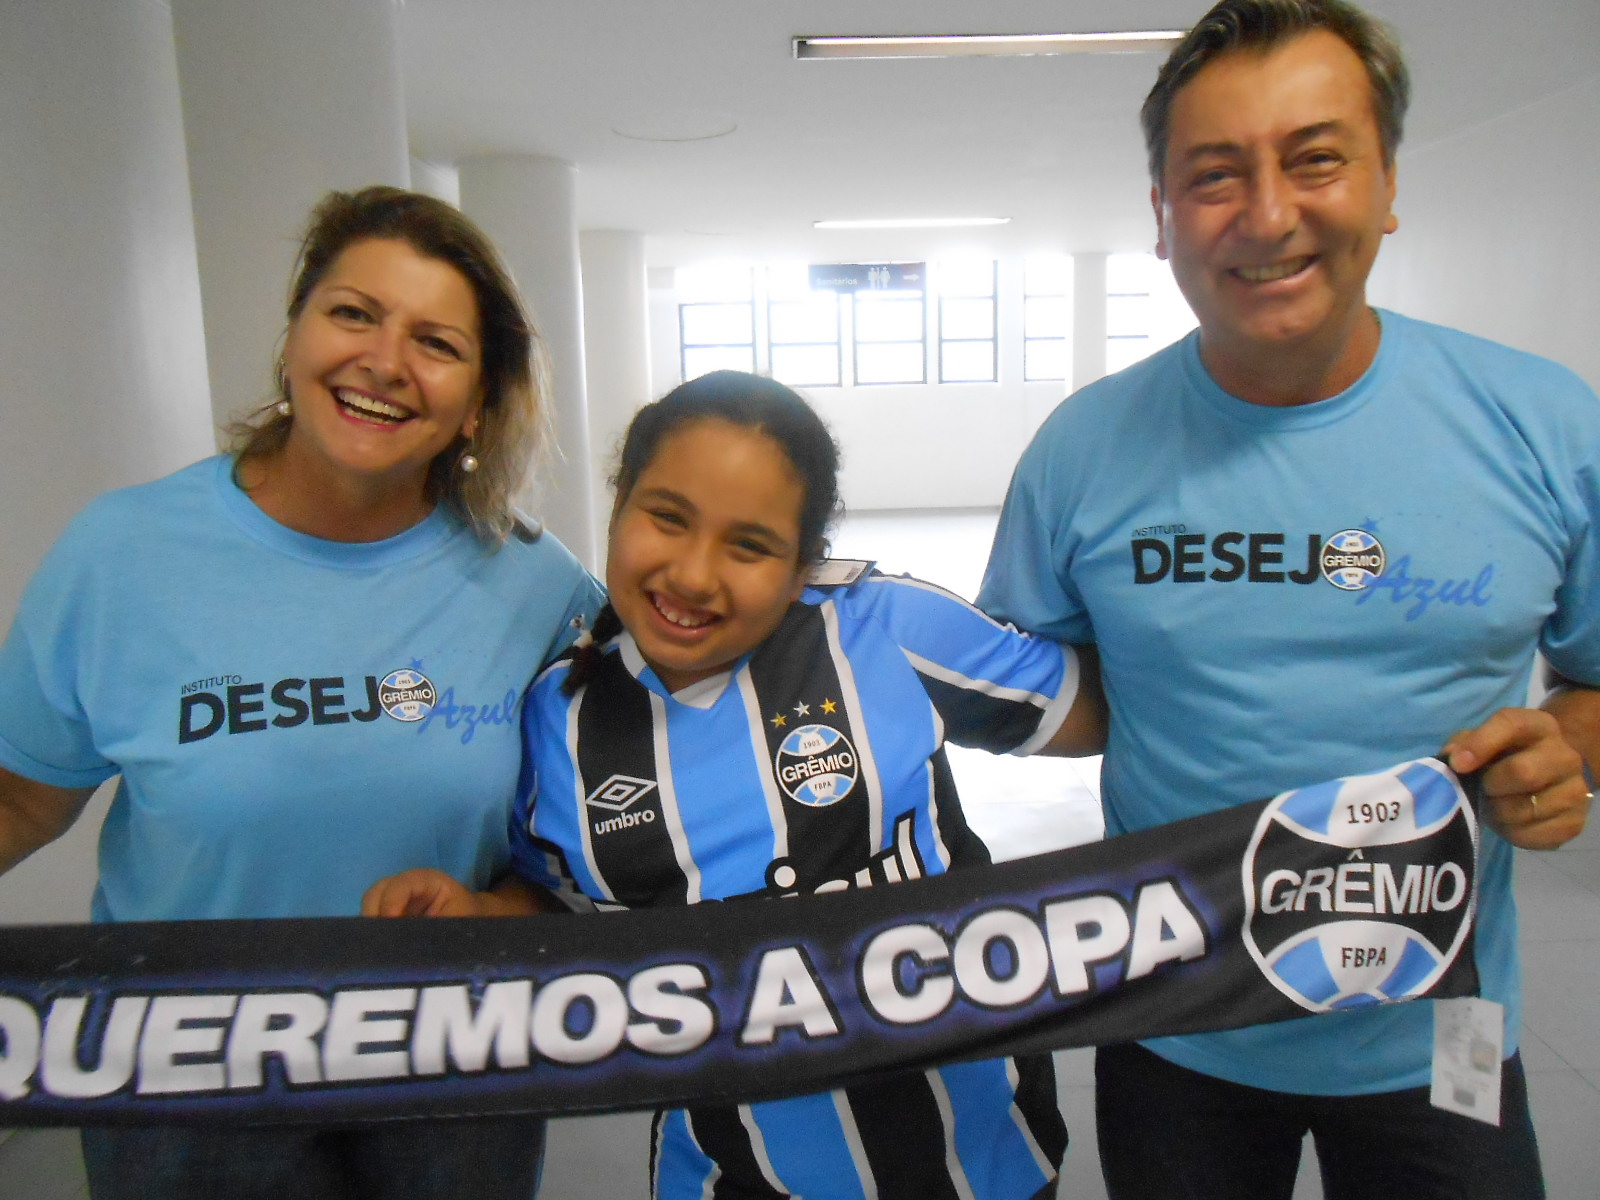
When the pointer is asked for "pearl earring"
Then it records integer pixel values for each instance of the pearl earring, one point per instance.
(283, 408)
(468, 464)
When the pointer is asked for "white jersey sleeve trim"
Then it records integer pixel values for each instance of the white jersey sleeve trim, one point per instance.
(908, 581)
(987, 687)
(1056, 711)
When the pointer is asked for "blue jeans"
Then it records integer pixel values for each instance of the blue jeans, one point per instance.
(1168, 1133)
(481, 1158)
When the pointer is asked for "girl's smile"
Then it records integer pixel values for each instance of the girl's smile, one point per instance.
(704, 556)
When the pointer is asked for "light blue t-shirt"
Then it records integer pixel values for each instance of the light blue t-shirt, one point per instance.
(292, 718)
(1286, 595)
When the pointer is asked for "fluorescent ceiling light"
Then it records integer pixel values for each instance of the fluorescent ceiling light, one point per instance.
(952, 45)
(910, 222)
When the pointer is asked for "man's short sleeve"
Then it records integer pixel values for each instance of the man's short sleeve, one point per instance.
(1027, 582)
(1570, 640)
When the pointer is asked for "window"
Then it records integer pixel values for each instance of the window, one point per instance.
(1144, 309)
(890, 329)
(847, 325)
(716, 319)
(803, 343)
(967, 342)
(1047, 318)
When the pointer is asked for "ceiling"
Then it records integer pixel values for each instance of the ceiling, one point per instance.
(1051, 142)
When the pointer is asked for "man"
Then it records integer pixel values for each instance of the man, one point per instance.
(1314, 540)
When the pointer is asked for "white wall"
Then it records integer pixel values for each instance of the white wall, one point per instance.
(950, 446)
(1499, 234)
(909, 446)
(283, 100)
(102, 358)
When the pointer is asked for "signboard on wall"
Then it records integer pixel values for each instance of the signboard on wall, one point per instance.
(868, 277)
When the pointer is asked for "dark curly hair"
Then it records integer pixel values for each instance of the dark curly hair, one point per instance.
(751, 402)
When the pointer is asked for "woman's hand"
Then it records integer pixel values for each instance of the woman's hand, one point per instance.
(426, 892)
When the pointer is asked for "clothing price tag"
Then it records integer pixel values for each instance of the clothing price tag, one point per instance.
(1468, 1037)
(838, 572)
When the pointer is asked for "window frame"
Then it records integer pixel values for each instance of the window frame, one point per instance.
(993, 297)
(773, 345)
(899, 296)
(748, 304)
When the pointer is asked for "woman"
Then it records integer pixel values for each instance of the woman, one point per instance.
(779, 739)
(305, 660)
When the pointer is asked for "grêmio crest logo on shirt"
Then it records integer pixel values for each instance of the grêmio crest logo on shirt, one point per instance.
(1353, 560)
(229, 704)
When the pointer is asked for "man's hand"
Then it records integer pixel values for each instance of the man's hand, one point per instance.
(1533, 786)
(423, 892)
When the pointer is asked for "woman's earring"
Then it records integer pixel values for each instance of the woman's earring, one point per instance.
(468, 463)
(283, 408)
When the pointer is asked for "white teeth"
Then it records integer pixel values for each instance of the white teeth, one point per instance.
(370, 406)
(1272, 271)
(681, 619)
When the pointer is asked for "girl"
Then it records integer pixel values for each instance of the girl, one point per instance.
(763, 722)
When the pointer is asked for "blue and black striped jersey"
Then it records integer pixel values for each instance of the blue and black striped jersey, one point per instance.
(815, 764)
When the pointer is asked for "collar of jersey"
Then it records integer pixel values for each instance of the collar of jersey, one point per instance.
(702, 694)
(1297, 416)
(432, 531)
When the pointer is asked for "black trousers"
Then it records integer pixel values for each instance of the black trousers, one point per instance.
(1168, 1133)
(470, 1158)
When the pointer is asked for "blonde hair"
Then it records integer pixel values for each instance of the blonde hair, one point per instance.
(513, 425)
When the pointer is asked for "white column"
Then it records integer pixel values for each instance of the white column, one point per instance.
(1088, 319)
(438, 180)
(282, 102)
(666, 354)
(527, 205)
(102, 358)
(616, 335)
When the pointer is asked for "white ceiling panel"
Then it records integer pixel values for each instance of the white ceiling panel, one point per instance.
(1051, 142)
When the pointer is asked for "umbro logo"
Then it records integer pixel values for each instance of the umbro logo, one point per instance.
(620, 792)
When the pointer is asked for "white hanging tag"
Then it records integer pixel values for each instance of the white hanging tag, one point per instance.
(1468, 1038)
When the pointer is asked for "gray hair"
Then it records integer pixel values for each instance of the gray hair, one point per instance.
(1261, 25)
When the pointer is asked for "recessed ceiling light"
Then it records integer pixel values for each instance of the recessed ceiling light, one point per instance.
(675, 125)
(909, 222)
(951, 45)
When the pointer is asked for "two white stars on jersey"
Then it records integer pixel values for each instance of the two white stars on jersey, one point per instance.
(802, 710)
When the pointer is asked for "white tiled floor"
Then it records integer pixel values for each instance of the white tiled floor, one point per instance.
(1043, 804)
